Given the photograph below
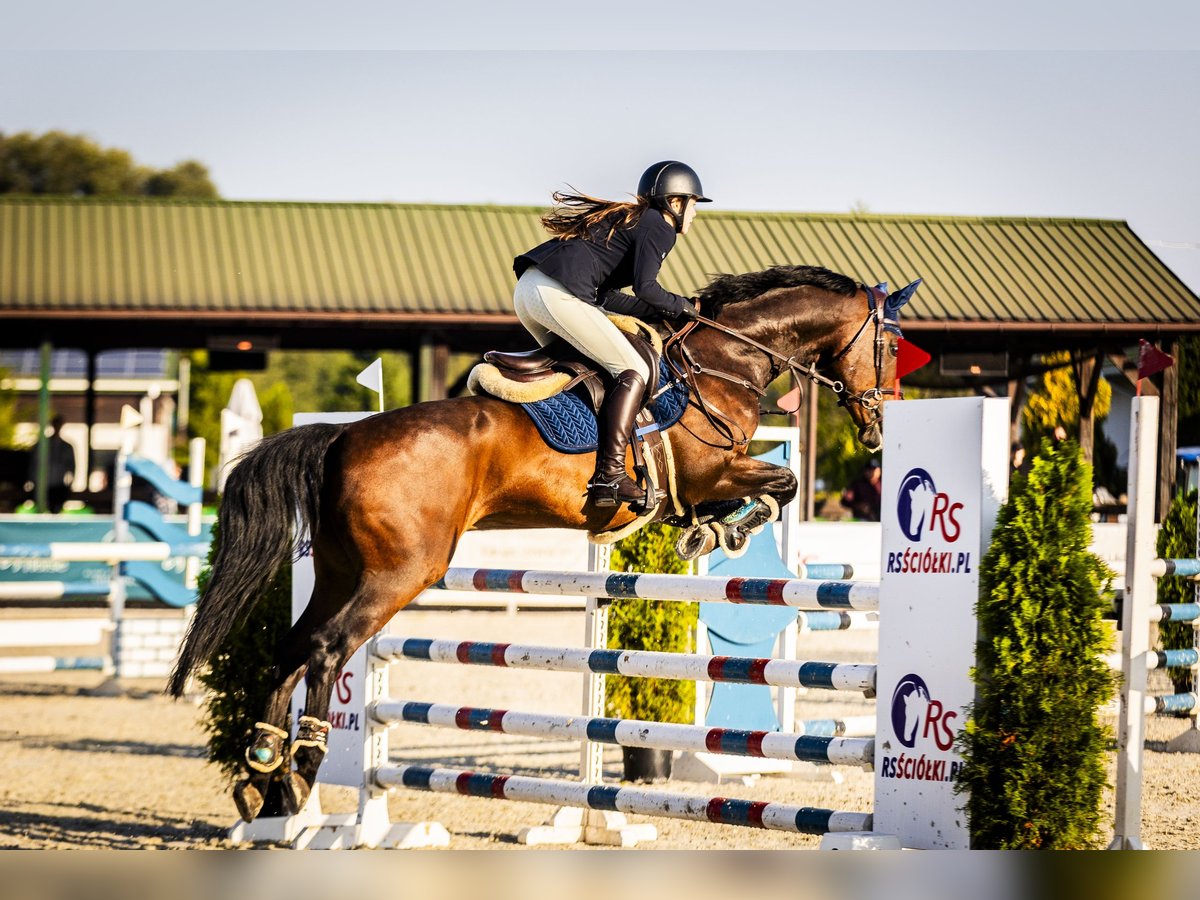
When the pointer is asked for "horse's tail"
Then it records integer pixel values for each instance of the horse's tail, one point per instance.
(277, 481)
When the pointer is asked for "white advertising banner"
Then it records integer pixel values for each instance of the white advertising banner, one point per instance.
(945, 475)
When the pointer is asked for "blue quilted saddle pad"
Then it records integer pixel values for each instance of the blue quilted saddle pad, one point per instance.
(568, 425)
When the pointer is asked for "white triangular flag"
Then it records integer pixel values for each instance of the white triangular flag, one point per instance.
(372, 378)
(130, 417)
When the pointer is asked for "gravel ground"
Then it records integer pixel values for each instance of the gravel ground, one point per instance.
(125, 772)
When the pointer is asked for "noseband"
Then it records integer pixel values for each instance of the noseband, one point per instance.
(870, 399)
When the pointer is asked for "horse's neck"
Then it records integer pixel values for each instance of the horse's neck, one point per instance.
(795, 330)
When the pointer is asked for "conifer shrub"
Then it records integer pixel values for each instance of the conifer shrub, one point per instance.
(237, 681)
(1033, 744)
(650, 625)
(1177, 540)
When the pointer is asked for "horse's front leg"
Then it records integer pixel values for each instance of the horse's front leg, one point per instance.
(745, 496)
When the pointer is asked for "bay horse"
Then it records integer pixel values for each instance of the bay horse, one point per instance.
(385, 500)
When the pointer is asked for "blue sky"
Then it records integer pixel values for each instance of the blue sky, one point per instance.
(1082, 110)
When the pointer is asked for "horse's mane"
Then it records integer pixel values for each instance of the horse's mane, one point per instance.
(723, 290)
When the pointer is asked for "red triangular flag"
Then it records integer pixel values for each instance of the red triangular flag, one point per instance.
(909, 357)
(790, 402)
(1151, 360)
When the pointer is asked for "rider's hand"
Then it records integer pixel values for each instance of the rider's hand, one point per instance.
(690, 310)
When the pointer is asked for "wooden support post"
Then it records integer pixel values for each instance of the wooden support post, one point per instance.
(1087, 379)
(439, 371)
(1016, 403)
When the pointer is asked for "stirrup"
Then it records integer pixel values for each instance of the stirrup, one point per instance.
(609, 493)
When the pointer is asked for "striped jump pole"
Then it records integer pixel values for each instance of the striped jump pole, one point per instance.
(1174, 612)
(1162, 659)
(828, 620)
(684, 588)
(1182, 568)
(636, 663)
(722, 810)
(632, 733)
(1171, 703)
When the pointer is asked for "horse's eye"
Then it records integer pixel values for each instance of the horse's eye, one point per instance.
(894, 349)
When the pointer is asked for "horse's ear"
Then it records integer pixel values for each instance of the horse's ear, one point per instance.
(882, 287)
(899, 298)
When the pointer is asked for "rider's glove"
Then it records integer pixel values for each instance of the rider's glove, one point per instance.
(690, 310)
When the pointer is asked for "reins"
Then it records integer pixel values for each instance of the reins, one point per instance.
(870, 399)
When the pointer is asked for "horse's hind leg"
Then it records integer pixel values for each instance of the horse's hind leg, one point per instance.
(372, 606)
(267, 754)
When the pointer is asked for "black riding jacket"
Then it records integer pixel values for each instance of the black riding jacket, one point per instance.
(596, 267)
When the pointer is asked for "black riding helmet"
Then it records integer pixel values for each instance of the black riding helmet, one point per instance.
(670, 178)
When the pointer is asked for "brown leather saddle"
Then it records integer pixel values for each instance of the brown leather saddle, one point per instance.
(588, 381)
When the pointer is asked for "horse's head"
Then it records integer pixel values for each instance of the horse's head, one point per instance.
(863, 367)
(822, 325)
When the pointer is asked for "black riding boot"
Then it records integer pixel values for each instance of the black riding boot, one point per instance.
(610, 485)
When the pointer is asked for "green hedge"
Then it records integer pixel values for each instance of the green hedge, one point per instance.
(238, 679)
(1033, 745)
(1177, 540)
(651, 625)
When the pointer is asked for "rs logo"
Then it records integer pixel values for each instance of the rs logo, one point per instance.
(919, 504)
(345, 692)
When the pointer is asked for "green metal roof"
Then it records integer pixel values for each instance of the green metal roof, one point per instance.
(61, 256)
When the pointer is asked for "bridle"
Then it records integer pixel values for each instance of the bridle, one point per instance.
(870, 399)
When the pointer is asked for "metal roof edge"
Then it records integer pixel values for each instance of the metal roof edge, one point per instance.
(56, 199)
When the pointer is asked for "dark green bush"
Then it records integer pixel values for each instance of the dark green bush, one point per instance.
(1177, 540)
(238, 679)
(1033, 745)
(650, 625)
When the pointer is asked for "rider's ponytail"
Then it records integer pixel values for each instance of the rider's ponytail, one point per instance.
(575, 214)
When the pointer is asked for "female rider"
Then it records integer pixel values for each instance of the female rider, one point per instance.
(564, 284)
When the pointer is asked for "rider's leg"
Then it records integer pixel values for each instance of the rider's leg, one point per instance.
(543, 304)
(611, 484)
(525, 297)
(587, 329)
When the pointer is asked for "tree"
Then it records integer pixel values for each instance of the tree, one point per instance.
(1177, 540)
(8, 411)
(294, 381)
(233, 701)
(1033, 746)
(75, 166)
(1054, 401)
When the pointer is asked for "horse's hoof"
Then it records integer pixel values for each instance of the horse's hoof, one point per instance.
(295, 792)
(695, 542)
(248, 799)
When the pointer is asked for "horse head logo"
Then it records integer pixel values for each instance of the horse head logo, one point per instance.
(910, 701)
(914, 502)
